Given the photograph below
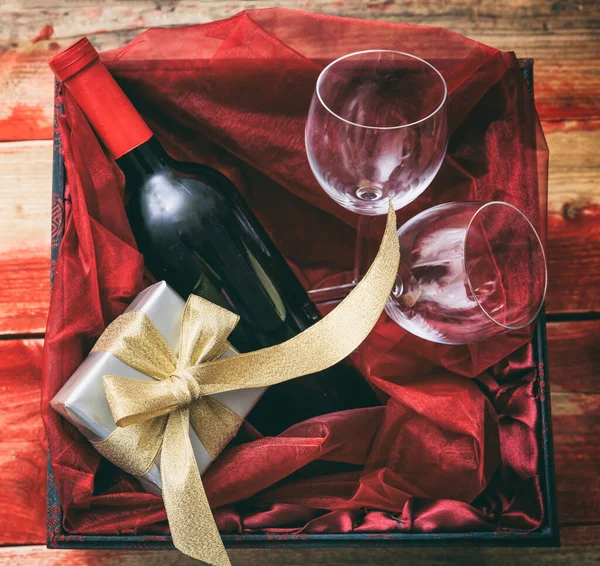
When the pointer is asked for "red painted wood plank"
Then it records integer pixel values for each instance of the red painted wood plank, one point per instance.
(25, 210)
(24, 289)
(574, 256)
(576, 427)
(22, 497)
(574, 217)
(566, 87)
(26, 107)
(574, 356)
(581, 535)
(22, 445)
(20, 373)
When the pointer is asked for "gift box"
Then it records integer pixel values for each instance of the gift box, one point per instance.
(82, 401)
(517, 507)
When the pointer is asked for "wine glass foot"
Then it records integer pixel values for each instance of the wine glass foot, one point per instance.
(333, 289)
(369, 192)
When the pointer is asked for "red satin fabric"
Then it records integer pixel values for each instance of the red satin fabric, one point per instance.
(446, 453)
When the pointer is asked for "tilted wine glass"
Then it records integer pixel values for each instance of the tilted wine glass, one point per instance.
(376, 130)
(468, 271)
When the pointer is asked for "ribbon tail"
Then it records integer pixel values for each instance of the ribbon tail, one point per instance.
(215, 424)
(192, 525)
(204, 331)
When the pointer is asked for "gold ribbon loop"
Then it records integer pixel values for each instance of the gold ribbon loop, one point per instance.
(205, 328)
(132, 401)
(181, 386)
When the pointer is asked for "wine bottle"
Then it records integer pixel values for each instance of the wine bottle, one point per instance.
(197, 233)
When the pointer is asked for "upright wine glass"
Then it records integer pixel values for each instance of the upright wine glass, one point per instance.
(376, 131)
(468, 271)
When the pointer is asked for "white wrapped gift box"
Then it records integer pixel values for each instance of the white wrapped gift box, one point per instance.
(82, 400)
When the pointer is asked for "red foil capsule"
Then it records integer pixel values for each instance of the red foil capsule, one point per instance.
(102, 100)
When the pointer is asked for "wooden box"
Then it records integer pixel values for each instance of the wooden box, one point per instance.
(546, 535)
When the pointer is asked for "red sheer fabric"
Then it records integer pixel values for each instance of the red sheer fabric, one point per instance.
(446, 453)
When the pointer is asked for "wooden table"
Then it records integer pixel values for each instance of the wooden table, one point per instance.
(563, 38)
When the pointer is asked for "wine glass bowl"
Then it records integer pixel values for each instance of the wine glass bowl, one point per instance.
(469, 271)
(376, 129)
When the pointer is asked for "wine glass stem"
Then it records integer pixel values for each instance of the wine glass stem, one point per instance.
(366, 246)
(368, 235)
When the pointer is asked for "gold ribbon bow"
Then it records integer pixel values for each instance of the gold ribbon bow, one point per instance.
(155, 416)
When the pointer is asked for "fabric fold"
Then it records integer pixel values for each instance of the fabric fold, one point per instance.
(221, 94)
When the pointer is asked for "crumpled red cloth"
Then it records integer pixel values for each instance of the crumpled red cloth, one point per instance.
(446, 453)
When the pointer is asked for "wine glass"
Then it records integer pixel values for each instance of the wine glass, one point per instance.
(376, 130)
(468, 271)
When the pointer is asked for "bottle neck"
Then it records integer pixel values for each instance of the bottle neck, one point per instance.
(144, 161)
(107, 108)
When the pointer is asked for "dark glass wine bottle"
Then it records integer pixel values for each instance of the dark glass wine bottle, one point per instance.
(197, 233)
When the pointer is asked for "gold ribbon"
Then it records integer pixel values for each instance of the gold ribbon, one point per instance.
(155, 416)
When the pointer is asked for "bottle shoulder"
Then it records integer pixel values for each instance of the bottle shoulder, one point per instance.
(168, 198)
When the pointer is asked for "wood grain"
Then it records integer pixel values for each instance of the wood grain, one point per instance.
(566, 556)
(576, 426)
(24, 288)
(580, 535)
(574, 356)
(22, 446)
(24, 19)
(26, 84)
(25, 193)
(574, 217)
(25, 202)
